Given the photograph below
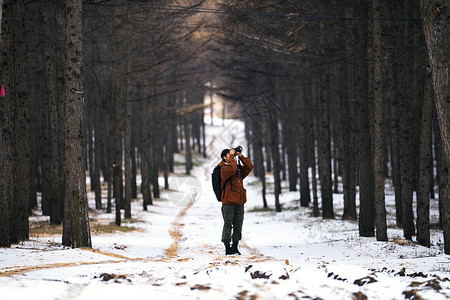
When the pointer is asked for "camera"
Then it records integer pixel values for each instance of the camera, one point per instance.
(238, 149)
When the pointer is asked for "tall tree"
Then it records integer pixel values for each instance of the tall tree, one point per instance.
(325, 146)
(406, 121)
(6, 136)
(363, 142)
(435, 21)
(76, 230)
(347, 132)
(14, 139)
(380, 209)
(435, 16)
(304, 144)
(51, 132)
(274, 141)
(425, 167)
(20, 127)
(128, 122)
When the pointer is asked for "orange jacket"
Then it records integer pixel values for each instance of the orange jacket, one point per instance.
(234, 189)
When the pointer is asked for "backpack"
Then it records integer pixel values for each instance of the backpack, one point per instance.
(216, 183)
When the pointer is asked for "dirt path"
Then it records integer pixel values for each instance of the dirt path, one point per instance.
(176, 232)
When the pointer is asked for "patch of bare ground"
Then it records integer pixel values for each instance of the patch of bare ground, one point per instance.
(43, 228)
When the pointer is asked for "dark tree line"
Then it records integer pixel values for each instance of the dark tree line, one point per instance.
(100, 90)
(352, 90)
(354, 93)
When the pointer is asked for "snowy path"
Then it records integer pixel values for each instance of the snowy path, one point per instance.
(177, 253)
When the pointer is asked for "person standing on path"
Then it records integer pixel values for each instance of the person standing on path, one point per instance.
(233, 196)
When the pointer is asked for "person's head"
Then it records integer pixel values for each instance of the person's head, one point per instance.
(225, 154)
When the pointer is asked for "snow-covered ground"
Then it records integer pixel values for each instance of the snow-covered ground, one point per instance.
(177, 253)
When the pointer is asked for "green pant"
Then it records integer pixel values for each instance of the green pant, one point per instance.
(233, 217)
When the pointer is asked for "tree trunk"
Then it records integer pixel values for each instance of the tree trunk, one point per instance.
(268, 148)
(6, 134)
(444, 199)
(290, 134)
(406, 132)
(304, 144)
(45, 159)
(99, 136)
(127, 155)
(60, 87)
(310, 123)
(435, 16)
(325, 147)
(134, 164)
(363, 145)
(145, 155)
(441, 182)
(436, 27)
(395, 152)
(76, 231)
(425, 160)
(188, 149)
(347, 136)
(21, 125)
(117, 174)
(272, 111)
(52, 134)
(257, 129)
(128, 121)
(380, 209)
(313, 161)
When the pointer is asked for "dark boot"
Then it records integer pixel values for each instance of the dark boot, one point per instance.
(234, 248)
(228, 250)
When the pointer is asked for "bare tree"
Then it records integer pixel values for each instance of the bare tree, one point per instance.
(21, 127)
(76, 230)
(435, 15)
(6, 135)
(425, 168)
(363, 143)
(381, 232)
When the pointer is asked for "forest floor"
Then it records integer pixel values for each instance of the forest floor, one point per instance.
(173, 250)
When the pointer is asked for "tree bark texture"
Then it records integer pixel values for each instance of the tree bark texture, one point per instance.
(117, 175)
(348, 153)
(435, 15)
(425, 172)
(405, 132)
(304, 143)
(395, 152)
(257, 130)
(290, 133)
(444, 205)
(273, 111)
(325, 147)
(55, 201)
(6, 135)
(310, 121)
(436, 26)
(380, 209)
(76, 231)
(128, 121)
(21, 125)
(363, 143)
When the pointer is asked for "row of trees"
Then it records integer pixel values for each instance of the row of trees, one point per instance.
(360, 81)
(15, 161)
(94, 89)
(342, 89)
